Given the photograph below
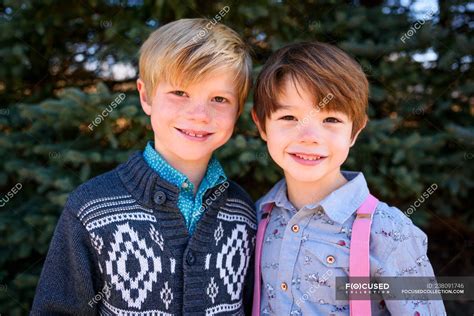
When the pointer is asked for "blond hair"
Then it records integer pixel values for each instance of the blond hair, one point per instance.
(184, 51)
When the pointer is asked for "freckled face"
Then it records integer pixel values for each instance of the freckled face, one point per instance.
(191, 122)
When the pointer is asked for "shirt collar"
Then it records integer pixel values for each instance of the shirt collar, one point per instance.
(339, 205)
(214, 174)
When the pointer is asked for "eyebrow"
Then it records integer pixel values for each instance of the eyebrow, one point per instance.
(225, 92)
(286, 106)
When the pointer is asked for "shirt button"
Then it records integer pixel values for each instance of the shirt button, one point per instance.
(295, 228)
(190, 258)
(185, 185)
(330, 259)
(160, 197)
(284, 286)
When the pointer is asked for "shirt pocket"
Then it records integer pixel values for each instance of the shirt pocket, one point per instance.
(320, 264)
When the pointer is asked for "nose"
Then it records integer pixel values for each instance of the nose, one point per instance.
(309, 132)
(199, 111)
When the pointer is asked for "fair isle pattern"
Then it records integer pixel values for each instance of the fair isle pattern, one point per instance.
(212, 290)
(86, 209)
(222, 308)
(172, 265)
(218, 233)
(208, 261)
(120, 217)
(127, 246)
(166, 295)
(107, 308)
(97, 242)
(236, 210)
(125, 232)
(157, 237)
(235, 218)
(236, 248)
(115, 210)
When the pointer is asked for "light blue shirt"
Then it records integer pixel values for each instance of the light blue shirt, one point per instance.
(300, 259)
(188, 204)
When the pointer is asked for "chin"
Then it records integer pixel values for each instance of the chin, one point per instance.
(193, 154)
(306, 176)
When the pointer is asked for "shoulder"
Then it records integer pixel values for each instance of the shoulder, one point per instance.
(269, 196)
(106, 187)
(235, 191)
(237, 197)
(392, 229)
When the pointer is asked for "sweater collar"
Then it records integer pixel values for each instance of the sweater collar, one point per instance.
(145, 185)
(149, 189)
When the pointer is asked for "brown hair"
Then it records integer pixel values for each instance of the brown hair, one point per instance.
(184, 51)
(324, 70)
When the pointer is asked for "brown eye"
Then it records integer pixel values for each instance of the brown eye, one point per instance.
(287, 118)
(332, 120)
(179, 93)
(220, 99)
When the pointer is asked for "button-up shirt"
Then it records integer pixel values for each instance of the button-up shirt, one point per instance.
(305, 250)
(188, 203)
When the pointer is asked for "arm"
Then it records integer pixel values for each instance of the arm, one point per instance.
(409, 258)
(248, 287)
(67, 284)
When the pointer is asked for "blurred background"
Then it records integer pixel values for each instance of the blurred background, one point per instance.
(69, 110)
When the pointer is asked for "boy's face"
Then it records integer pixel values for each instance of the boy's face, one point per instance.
(190, 122)
(309, 143)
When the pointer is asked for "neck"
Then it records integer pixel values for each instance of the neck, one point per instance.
(194, 170)
(301, 193)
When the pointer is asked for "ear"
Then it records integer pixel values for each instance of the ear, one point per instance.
(263, 135)
(358, 132)
(146, 104)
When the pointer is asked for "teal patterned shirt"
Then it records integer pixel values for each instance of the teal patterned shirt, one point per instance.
(189, 205)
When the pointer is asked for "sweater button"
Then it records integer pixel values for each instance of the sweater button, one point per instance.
(190, 258)
(159, 197)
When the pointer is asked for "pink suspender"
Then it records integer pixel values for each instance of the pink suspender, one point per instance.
(359, 265)
(258, 258)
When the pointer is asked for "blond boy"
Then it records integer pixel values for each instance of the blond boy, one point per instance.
(165, 233)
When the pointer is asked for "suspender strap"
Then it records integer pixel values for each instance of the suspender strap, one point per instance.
(358, 258)
(359, 264)
(258, 258)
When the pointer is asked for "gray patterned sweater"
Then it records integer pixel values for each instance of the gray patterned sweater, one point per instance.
(121, 247)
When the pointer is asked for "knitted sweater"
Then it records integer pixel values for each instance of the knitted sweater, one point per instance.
(121, 247)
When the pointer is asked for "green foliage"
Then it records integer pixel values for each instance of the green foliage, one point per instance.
(55, 81)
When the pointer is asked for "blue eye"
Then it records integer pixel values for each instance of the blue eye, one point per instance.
(332, 120)
(287, 118)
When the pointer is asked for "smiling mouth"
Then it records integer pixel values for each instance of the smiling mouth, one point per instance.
(308, 157)
(193, 133)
